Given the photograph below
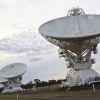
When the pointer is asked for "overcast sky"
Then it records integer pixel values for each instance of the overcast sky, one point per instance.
(21, 42)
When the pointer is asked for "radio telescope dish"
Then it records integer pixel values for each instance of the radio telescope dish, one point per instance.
(13, 73)
(72, 26)
(13, 70)
(77, 35)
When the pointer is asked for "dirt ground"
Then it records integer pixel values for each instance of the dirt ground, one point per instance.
(76, 95)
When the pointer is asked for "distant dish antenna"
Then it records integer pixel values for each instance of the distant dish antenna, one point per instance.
(77, 35)
(13, 73)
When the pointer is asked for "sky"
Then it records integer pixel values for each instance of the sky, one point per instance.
(20, 41)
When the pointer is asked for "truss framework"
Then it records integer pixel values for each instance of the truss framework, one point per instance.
(77, 53)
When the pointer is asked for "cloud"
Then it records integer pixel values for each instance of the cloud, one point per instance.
(35, 59)
(29, 43)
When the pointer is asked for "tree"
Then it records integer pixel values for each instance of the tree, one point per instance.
(27, 86)
(59, 81)
(43, 83)
(37, 82)
(23, 86)
(52, 82)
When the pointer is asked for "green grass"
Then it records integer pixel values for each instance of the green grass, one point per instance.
(13, 97)
(31, 96)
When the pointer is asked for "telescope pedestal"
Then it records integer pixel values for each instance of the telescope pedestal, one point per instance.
(15, 83)
(81, 77)
(6, 90)
(16, 89)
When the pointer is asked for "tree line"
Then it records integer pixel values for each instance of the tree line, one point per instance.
(39, 83)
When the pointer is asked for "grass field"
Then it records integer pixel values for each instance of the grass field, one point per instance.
(60, 95)
(14, 97)
(53, 93)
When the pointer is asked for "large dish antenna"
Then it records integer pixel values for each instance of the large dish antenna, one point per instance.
(77, 35)
(75, 25)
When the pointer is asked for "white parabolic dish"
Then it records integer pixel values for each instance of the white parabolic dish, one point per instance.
(2, 80)
(70, 27)
(13, 70)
